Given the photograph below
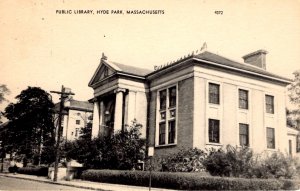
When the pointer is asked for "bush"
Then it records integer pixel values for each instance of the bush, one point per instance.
(121, 150)
(276, 165)
(236, 162)
(240, 162)
(217, 163)
(13, 169)
(38, 171)
(184, 161)
(184, 181)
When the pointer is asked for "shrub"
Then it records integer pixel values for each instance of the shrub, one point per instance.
(38, 171)
(189, 160)
(121, 150)
(217, 163)
(240, 162)
(290, 184)
(185, 181)
(13, 169)
(276, 165)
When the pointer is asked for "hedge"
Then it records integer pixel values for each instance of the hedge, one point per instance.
(185, 181)
(13, 169)
(39, 171)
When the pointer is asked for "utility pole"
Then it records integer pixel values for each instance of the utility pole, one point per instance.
(63, 96)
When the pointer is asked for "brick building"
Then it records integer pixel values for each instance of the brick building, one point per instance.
(202, 100)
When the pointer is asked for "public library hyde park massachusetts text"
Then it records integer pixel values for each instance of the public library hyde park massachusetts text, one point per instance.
(87, 12)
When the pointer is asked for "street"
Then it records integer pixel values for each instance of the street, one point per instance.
(7, 183)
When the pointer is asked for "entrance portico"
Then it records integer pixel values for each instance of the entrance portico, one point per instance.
(119, 98)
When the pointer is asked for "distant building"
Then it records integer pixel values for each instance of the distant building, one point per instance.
(76, 115)
(202, 100)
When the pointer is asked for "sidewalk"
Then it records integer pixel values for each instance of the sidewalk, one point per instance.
(81, 183)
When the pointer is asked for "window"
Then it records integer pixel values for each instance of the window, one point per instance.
(243, 99)
(171, 135)
(163, 99)
(76, 132)
(162, 133)
(167, 116)
(290, 148)
(214, 93)
(270, 104)
(214, 131)
(77, 122)
(172, 97)
(297, 143)
(244, 134)
(270, 138)
(105, 72)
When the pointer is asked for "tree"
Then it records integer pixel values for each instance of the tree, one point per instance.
(294, 95)
(3, 91)
(119, 151)
(31, 123)
(82, 148)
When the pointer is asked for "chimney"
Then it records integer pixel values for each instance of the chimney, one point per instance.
(257, 58)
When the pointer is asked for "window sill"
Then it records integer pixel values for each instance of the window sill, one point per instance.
(214, 144)
(165, 145)
(239, 147)
(214, 105)
(269, 149)
(243, 110)
(270, 115)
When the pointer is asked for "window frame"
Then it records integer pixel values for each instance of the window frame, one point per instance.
(77, 132)
(162, 139)
(297, 143)
(273, 138)
(171, 134)
(170, 115)
(210, 98)
(290, 147)
(272, 105)
(209, 130)
(77, 122)
(245, 100)
(248, 134)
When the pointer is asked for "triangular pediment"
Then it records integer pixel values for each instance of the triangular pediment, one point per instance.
(102, 72)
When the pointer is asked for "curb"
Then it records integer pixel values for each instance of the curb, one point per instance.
(51, 182)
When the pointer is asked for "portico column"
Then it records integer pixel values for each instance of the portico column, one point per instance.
(118, 109)
(131, 107)
(101, 119)
(96, 118)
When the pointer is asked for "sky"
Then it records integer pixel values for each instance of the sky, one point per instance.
(39, 47)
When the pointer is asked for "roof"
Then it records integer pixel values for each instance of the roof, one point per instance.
(119, 68)
(81, 105)
(130, 69)
(76, 105)
(209, 56)
(292, 131)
